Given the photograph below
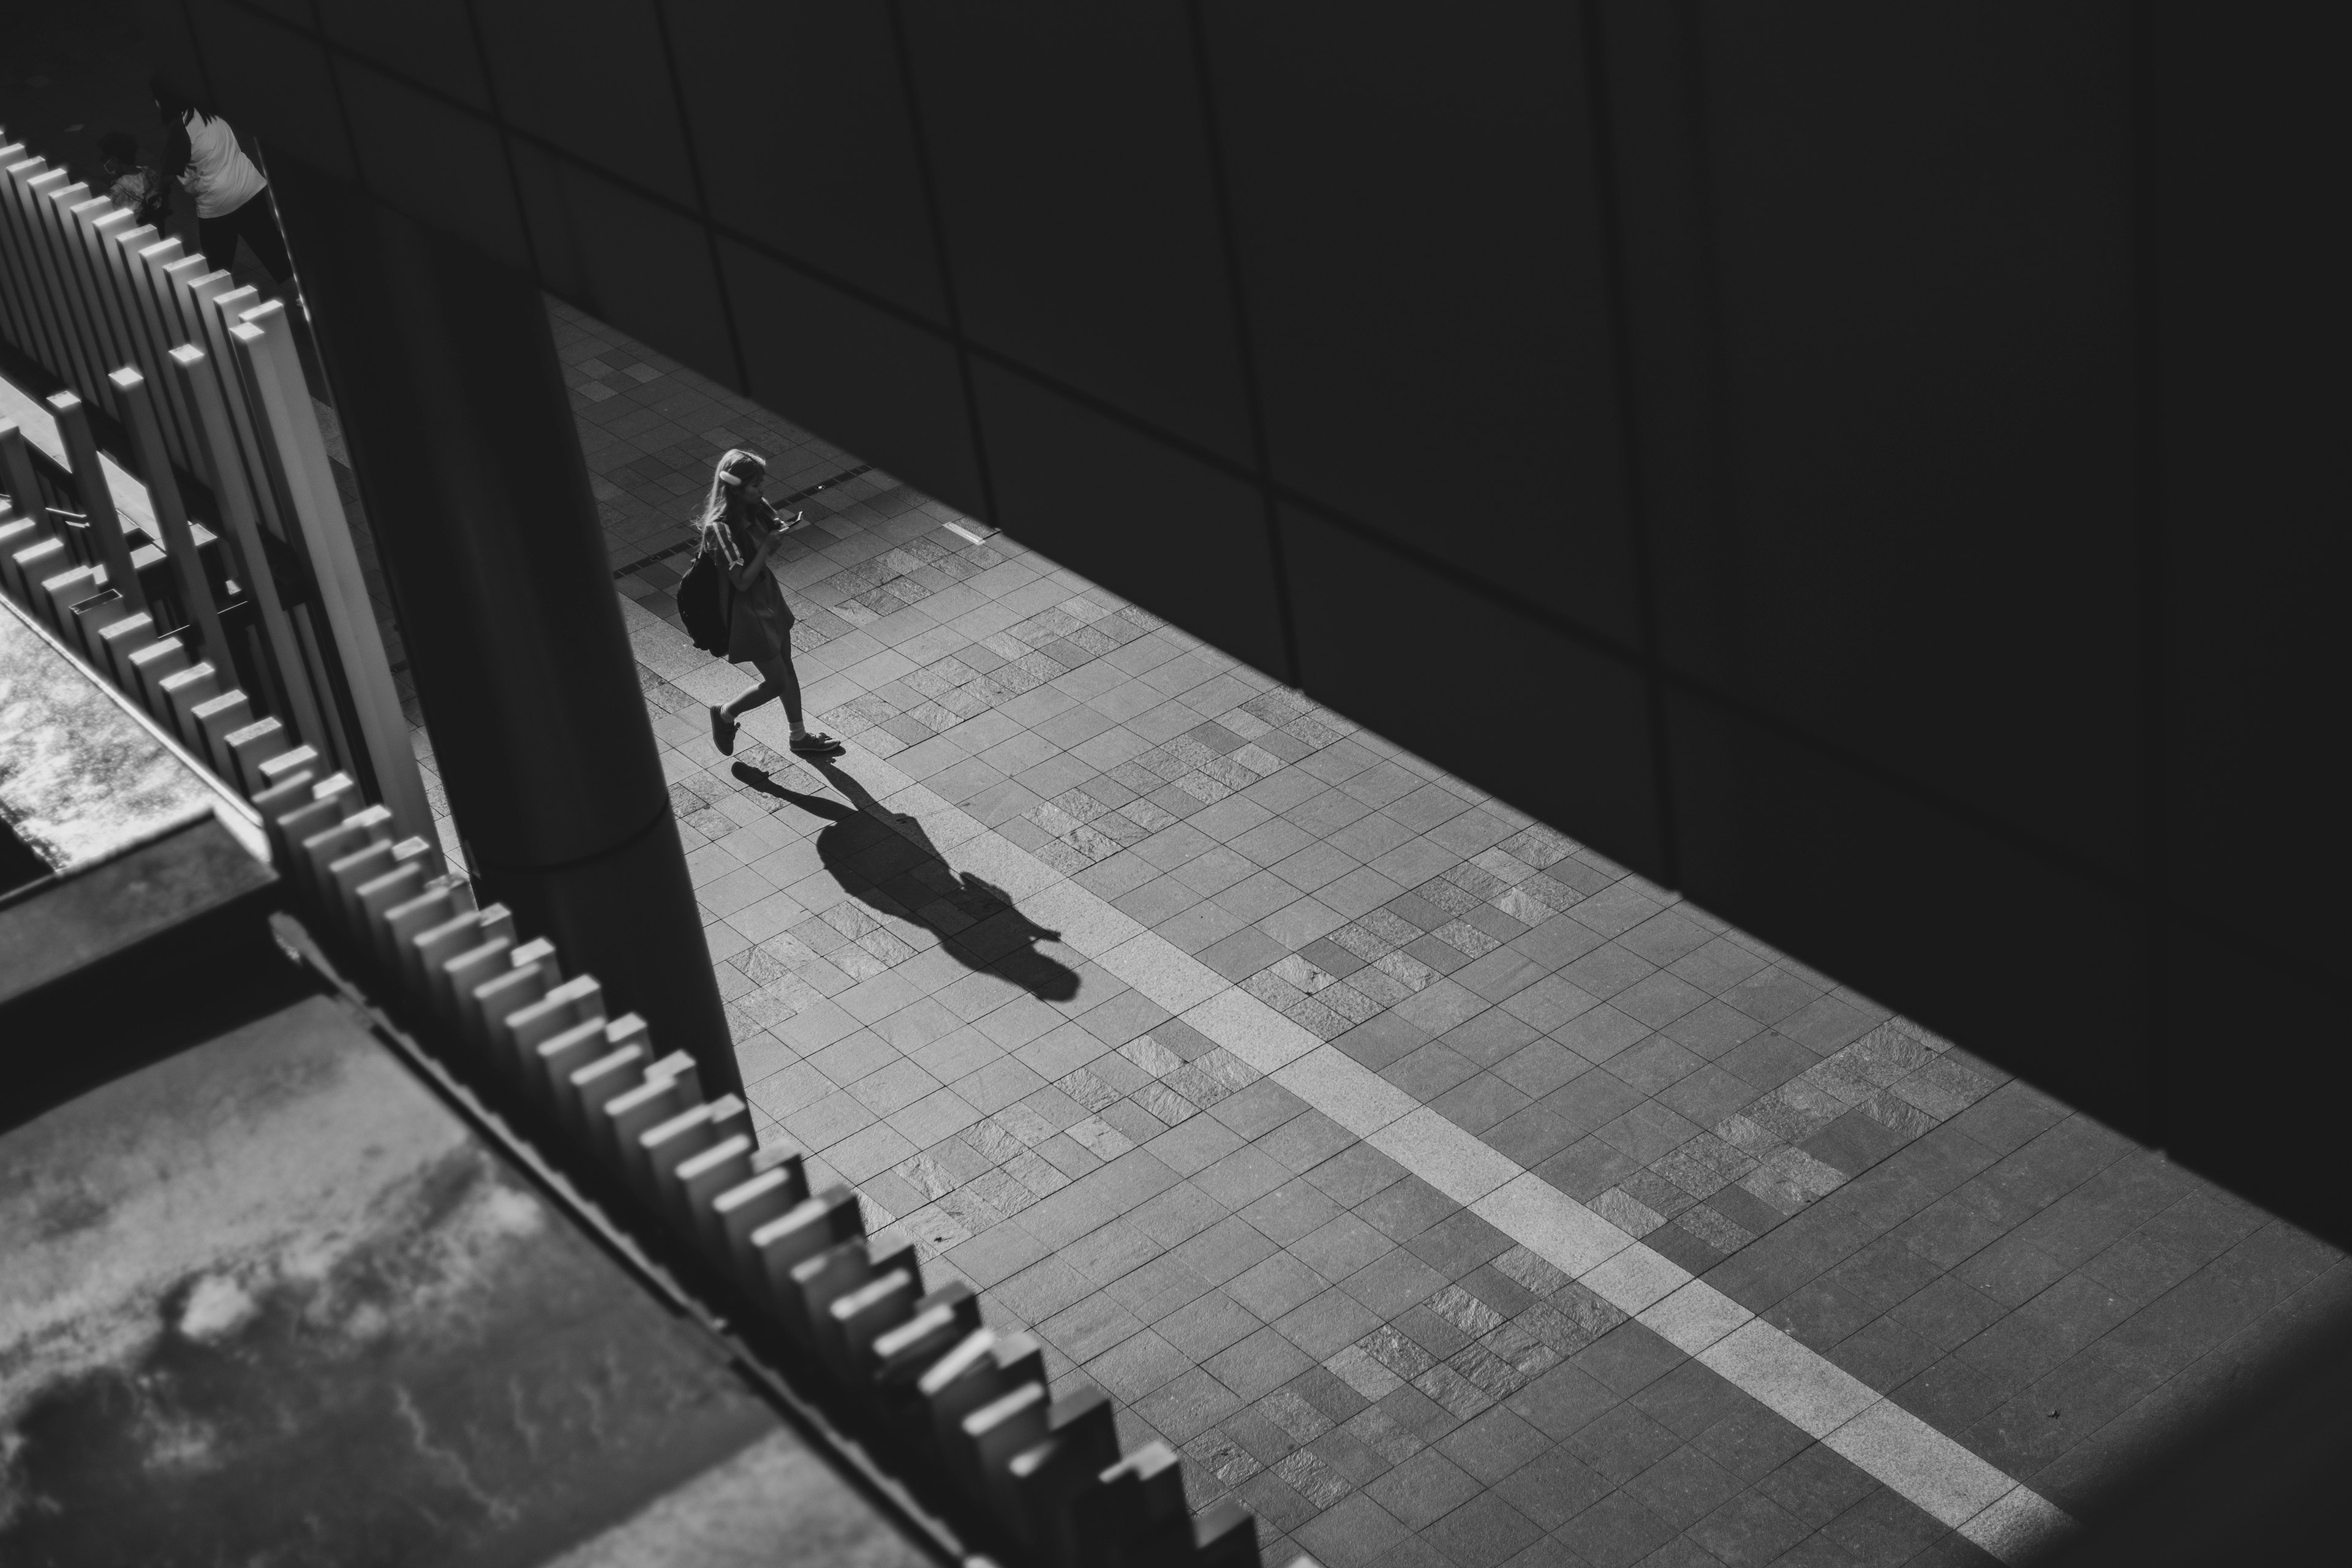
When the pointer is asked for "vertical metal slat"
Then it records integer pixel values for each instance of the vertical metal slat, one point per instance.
(96, 501)
(223, 469)
(178, 540)
(52, 196)
(266, 342)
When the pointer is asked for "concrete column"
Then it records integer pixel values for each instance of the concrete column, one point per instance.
(462, 439)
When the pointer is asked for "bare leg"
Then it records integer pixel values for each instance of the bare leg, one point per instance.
(751, 697)
(779, 680)
(784, 681)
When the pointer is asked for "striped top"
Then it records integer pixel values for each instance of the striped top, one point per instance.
(730, 536)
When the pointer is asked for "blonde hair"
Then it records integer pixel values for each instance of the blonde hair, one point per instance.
(734, 467)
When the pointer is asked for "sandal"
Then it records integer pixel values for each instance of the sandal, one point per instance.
(816, 744)
(722, 732)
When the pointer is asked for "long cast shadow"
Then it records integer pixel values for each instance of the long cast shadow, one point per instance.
(885, 860)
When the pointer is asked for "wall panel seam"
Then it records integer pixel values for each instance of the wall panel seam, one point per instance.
(1238, 299)
(1637, 517)
(343, 113)
(196, 44)
(943, 259)
(506, 146)
(2148, 413)
(701, 196)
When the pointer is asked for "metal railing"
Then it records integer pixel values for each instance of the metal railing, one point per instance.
(203, 383)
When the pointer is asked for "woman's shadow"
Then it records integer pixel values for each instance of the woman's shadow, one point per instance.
(885, 860)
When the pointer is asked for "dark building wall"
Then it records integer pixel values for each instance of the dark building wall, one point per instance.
(1874, 468)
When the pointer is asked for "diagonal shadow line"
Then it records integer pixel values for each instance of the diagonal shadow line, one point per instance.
(887, 862)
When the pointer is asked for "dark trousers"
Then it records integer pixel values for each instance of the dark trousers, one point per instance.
(255, 224)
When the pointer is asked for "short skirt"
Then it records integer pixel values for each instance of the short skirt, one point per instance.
(759, 626)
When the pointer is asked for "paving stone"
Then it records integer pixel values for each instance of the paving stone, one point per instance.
(1394, 1282)
(1484, 1531)
(1186, 1405)
(1587, 1168)
(1683, 1487)
(1163, 1285)
(1356, 1531)
(1458, 1244)
(1423, 1488)
(1258, 1365)
(1747, 1531)
(1621, 1443)
(1275, 1285)
(1495, 1445)
(1881, 1527)
(1326, 1323)
(1884, 1353)
(1403, 1209)
(1820, 1314)
(1224, 1251)
(1615, 1532)
(1208, 1323)
(1816, 1486)
(1132, 1370)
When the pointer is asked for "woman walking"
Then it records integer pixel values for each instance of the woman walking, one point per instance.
(743, 530)
(202, 152)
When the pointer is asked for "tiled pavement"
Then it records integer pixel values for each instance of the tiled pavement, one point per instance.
(1381, 1373)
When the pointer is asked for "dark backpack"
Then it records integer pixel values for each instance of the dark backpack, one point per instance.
(702, 605)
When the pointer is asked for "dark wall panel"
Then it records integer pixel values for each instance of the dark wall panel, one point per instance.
(439, 164)
(429, 41)
(1557, 728)
(2242, 1034)
(799, 119)
(592, 76)
(1859, 877)
(539, 177)
(888, 392)
(1074, 183)
(1421, 239)
(277, 79)
(290, 11)
(2256, 406)
(643, 268)
(1178, 537)
(1653, 111)
(1923, 238)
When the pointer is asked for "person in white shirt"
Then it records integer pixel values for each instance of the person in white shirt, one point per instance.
(201, 152)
